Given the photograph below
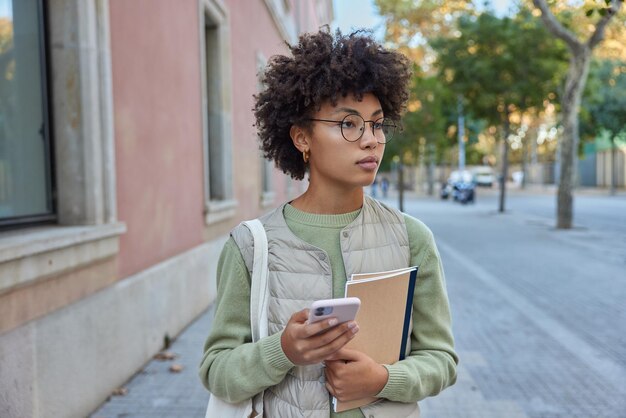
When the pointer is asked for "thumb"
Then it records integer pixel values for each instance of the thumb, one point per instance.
(345, 354)
(300, 316)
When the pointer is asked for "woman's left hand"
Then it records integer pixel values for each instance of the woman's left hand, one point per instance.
(352, 375)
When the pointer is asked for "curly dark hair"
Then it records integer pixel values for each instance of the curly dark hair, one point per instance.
(324, 67)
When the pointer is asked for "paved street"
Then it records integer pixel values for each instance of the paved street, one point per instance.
(539, 315)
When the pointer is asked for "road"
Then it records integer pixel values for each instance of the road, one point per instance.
(539, 313)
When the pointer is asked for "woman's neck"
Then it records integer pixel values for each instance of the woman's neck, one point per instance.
(329, 202)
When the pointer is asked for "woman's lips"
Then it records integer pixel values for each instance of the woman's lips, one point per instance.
(369, 163)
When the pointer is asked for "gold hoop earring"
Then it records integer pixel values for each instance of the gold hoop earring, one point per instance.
(305, 156)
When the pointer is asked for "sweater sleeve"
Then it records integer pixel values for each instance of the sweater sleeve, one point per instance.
(234, 368)
(431, 365)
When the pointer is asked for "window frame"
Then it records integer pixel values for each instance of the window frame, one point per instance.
(268, 195)
(216, 111)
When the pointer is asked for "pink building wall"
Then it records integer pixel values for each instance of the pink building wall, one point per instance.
(158, 129)
(157, 93)
(253, 31)
(257, 37)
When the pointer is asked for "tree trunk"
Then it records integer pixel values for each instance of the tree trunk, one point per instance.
(505, 158)
(430, 168)
(613, 166)
(401, 187)
(574, 85)
(461, 133)
(525, 144)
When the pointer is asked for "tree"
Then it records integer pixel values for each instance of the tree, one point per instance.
(426, 118)
(604, 105)
(410, 23)
(570, 100)
(500, 75)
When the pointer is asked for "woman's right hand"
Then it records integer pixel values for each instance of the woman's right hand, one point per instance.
(305, 343)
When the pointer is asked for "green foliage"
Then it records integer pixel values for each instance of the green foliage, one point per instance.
(501, 64)
(498, 65)
(603, 107)
(430, 125)
(426, 123)
(602, 11)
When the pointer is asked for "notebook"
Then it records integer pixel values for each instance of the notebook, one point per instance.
(384, 318)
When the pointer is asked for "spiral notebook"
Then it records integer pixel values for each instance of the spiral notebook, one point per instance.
(384, 318)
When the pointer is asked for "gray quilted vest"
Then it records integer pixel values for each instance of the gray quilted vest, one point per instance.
(300, 273)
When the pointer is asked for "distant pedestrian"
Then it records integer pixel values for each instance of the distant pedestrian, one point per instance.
(374, 187)
(384, 186)
(328, 109)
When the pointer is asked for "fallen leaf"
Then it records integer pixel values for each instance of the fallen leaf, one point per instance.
(165, 356)
(176, 368)
(120, 392)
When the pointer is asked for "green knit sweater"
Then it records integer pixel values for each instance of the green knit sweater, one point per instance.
(235, 370)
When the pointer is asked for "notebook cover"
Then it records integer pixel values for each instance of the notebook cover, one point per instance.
(384, 318)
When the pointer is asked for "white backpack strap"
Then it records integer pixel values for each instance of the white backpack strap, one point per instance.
(259, 293)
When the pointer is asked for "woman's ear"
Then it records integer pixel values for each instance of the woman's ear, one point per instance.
(299, 137)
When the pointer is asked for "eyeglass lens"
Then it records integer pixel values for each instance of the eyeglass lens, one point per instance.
(353, 126)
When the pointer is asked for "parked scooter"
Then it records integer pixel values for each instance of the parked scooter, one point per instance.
(463, 192)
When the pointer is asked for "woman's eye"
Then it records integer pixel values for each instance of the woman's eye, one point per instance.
(347, 124)
(378, 125)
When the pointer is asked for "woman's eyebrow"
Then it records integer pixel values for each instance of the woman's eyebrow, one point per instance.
(346, 110)
(354, 111)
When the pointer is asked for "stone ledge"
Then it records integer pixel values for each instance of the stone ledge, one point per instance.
(267, 199)
(217, 211)
(36, 253)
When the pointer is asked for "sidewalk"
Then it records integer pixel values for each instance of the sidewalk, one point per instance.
(157, 392)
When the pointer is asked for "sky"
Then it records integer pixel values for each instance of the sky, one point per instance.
(356, 14)
(6, 8)
(352, 14)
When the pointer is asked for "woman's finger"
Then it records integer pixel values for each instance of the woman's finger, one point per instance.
(322, 352)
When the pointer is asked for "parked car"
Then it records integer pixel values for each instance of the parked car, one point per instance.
(484, 176)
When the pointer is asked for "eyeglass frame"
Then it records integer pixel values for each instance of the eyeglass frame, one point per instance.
(372, 122)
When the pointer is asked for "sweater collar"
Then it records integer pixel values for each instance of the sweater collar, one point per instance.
(328, 221)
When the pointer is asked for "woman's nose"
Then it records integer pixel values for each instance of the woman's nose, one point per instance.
(368, 140)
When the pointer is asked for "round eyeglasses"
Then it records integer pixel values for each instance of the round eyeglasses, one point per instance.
(353, 127)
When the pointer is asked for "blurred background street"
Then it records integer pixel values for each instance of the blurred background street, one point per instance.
(538, 314)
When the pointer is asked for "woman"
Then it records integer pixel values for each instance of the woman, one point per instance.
(328, 109)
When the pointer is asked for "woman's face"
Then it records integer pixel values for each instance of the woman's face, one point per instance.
(337, 162)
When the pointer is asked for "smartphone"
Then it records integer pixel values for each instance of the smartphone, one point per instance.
(344, 309)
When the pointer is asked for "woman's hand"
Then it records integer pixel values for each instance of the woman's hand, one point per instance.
(305, 343)
(352, 375)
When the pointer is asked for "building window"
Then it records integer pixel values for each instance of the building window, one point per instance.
(215, 138)
(86, 228)
(86, 231)
(214, 50)
(26, 186)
